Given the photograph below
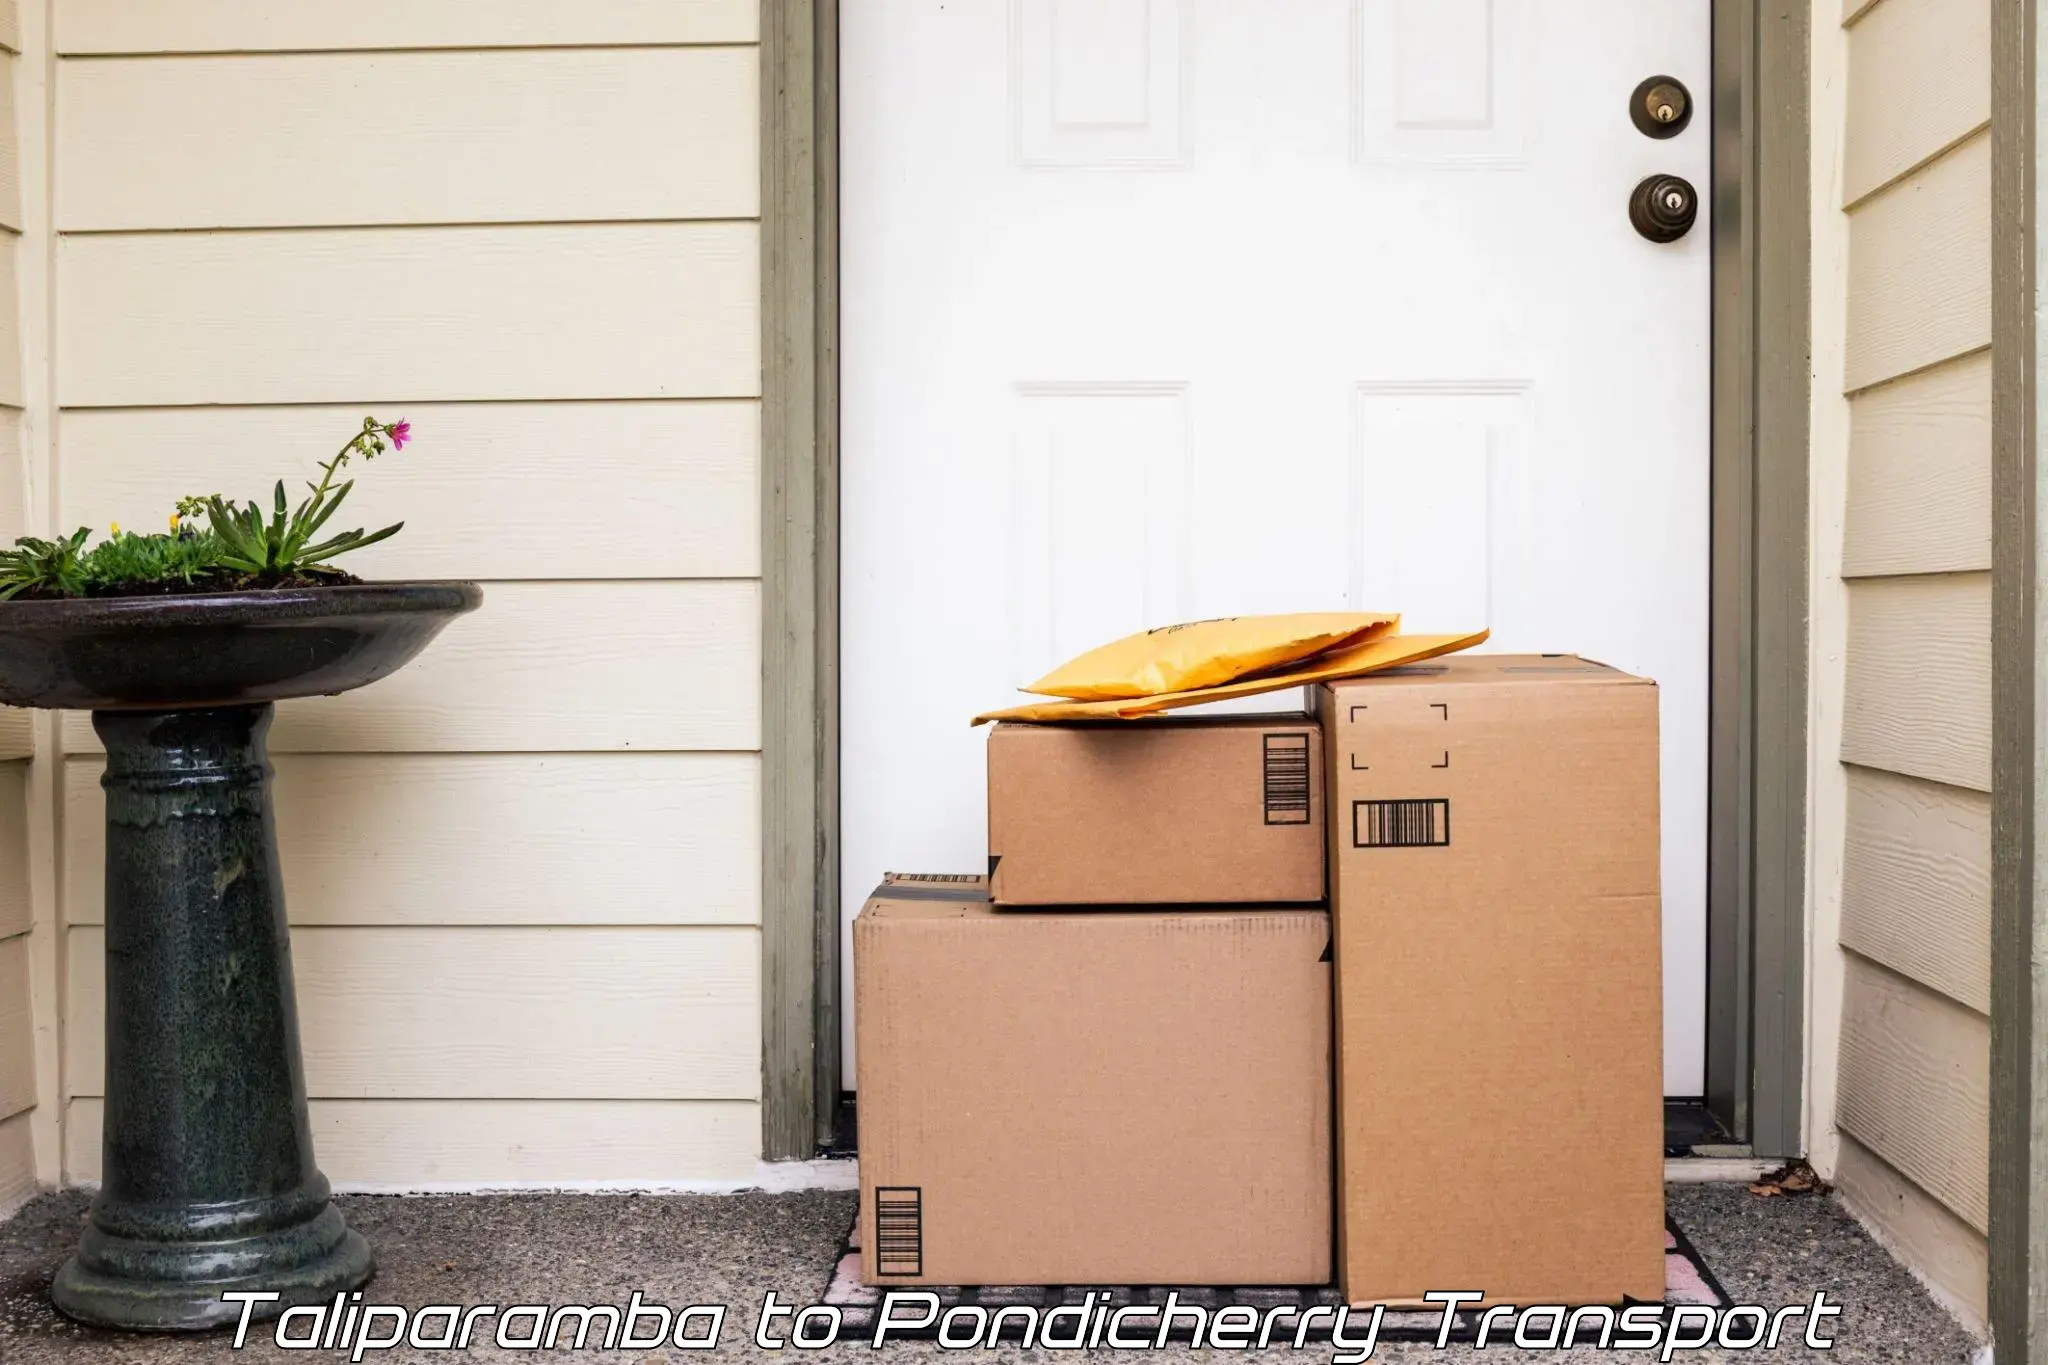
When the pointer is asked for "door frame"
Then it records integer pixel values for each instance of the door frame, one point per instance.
(800, 966)
(1757, 754)
(1756, 913)
(2018, 1231)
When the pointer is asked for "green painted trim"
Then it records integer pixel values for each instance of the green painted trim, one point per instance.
(1756, 869)
(2019, 752)
(1778, 620)
(799, 577)
(826, 1081)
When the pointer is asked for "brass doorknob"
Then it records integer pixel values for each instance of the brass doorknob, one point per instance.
(1663, 207)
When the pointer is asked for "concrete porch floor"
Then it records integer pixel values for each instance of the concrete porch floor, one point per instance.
(731, 1249)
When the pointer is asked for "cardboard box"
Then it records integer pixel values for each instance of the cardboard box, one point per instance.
(1187, 811)
(1093, 1097)
(1494, 891)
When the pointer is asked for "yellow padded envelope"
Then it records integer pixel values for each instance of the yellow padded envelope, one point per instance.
(1205, 653)
(1351, 661)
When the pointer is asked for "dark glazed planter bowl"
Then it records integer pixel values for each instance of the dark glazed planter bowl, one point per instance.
(219, 649)
(208, 1182)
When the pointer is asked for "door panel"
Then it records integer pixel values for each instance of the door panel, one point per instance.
(1164, 309)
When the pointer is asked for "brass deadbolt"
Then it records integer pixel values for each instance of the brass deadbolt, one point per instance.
(1660, 107)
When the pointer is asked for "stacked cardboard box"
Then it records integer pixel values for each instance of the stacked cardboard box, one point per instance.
(1092, 1097)
(1109, 1061)
(1494, 878)
(1157, 812)
(1113, 1060)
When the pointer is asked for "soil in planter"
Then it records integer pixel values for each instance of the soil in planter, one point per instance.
(211, 585)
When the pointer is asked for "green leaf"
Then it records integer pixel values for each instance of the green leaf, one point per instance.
(234, 534)
(273, 543)
(340, 544)
(334, 501)
(251, 522)
(295, 532)
(352, 540)
(299, 515)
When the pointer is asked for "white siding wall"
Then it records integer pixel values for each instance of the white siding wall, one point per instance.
(1903, 829)
(524, 874)
(17, 1023)
(18, 941)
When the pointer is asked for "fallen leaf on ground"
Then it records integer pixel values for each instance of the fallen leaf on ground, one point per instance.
(1794, 1177)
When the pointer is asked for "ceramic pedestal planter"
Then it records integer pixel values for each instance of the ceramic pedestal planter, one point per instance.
(208, 1178)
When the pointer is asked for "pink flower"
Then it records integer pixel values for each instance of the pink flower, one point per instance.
(401, 432)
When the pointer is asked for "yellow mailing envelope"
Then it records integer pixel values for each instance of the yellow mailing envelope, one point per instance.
(1350, 661)
(1204, 653)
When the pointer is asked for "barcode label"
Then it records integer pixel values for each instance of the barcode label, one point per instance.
(899, 1230)
(1401, 824)
(1287, 779)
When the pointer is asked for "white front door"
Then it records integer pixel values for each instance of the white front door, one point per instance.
(1164, 309)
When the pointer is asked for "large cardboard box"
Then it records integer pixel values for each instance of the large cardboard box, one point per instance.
(1494, 891)
(1173, 811)
(1094, 1097)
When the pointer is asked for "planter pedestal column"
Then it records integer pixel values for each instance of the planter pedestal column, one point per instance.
(208, 1180)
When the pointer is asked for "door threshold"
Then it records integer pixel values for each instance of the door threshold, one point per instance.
(1717, 1170)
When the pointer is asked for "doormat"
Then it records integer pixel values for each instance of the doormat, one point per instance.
(1687, 1280)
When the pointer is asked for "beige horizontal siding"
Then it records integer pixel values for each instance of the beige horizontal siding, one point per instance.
(1915, 1085)
(10, 326)
(396, 315)
(127, 27)
(1919, 82)
(17, 1014)
(488, 839)
(13, 483)
(1920, 473)
(16, 739)
(17, 727)
(411, 1144)
(1948, 1253)
(1916, 882)
(409, 137)
(554, 666)
(524, 872)
(489, 490)
(1920, 268)
(1918, 688)
(1911, 1083)
(17, 1164)
(17, 1029)
(15, 909)
(459, 1013)
(10, 142)
(19, 1020)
